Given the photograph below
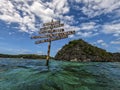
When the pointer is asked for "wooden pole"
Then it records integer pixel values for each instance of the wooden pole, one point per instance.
(49, 46)
(48, 54)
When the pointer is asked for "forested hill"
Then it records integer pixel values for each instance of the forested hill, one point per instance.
(79, 50)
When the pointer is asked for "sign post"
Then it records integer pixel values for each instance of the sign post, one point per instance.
(51, 31)
(48, 53)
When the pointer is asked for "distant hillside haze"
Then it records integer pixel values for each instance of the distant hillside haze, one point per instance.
(79, 50)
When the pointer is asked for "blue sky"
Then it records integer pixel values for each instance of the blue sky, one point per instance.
(95, 21)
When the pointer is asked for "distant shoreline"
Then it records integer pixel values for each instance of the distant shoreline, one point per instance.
(54, 59)
(38, 57)
(24, 56)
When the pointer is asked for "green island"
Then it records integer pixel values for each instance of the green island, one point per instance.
(79, 50)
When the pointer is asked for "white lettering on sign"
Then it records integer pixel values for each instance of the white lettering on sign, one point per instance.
(51, 27)
(51, 23)
(35, 37)
(61, 34)
(52, 31)
(51, 39)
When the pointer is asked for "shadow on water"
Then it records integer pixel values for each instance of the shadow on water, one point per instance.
(17, 74)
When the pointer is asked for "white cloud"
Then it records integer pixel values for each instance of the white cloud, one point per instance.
(112, 29)
(77, 1)
(86, 34)
(101, 42)
(59, 6)
(40, 10)
(117, 41)
(93, 8)
(88, 26)
(10, 12)
(104, 44)
(71, 36)
(7, 12)
(24, 12)
(97, 7)
(88, 29)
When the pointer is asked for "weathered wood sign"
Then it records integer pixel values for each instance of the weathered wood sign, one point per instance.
(61, 34)
(36, 37)
(51, 23)
(51, 27)
(51, 39)
(51, 31)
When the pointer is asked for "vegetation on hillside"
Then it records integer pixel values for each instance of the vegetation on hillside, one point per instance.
(79, 50)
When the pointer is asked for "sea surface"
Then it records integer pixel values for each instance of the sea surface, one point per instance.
(29, 74)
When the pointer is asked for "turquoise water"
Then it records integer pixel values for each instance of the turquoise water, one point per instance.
(23, 74)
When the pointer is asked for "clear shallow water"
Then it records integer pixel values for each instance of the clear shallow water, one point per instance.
(23, 74)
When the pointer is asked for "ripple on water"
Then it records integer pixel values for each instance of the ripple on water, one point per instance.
(20, 74)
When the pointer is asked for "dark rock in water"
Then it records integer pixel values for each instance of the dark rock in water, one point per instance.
(79, 50)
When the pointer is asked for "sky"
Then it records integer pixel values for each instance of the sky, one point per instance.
(95, 21)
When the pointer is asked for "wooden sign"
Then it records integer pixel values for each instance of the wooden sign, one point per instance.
(52, 31)
(36, 37)
(61, 34)
(58, 38)
(42, 41)
(50, 39)
(51, 23)
(51, 27)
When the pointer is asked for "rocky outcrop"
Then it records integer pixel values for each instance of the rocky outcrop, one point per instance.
(116, 57)
(79, 50)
